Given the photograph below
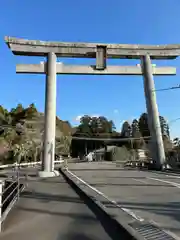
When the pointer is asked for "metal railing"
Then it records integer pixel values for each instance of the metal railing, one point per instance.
(28, 164)
(10, 189)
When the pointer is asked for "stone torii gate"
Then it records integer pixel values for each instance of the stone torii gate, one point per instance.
(101, 52)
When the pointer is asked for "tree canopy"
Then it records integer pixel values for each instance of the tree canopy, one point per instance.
(133, 135)
(92, 132)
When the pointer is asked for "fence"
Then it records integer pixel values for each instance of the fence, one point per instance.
(29, 164)
(10, 189)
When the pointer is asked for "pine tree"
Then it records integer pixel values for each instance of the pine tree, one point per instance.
(126, 130)
(164, 126)
(135, 127)
(143, 125)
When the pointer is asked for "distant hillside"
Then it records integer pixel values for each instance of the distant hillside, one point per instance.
(21, 125)
(35, 127)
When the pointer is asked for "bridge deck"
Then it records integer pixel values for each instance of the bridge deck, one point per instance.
(150, 196)
(50, 209)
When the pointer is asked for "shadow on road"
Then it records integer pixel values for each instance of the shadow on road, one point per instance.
(129, 184)
(76, 216)
(50, 197)
(75, 236)
(96, 169)
(45, 180)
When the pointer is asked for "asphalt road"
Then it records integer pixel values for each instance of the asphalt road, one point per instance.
(150, 196)
(51, 210)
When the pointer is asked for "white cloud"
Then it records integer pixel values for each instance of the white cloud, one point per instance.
(116, 111)
(95, 115)
(77, 119)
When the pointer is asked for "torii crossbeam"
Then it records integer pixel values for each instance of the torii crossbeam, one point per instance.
(91, 70)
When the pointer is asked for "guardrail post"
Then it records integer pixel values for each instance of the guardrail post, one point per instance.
(18, 182)
(1, 192)
(65, 164)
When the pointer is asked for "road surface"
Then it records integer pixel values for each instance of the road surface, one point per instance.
(151, 196)
(50, 210)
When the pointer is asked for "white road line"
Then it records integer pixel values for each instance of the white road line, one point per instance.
(171, 234)
(174, 176)
(131, 213)
(157, 174)
(141, 181)
(168, 182)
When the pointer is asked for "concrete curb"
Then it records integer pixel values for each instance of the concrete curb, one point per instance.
(43, 174)
(115, 229)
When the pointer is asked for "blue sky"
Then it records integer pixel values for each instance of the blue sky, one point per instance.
(118, 98)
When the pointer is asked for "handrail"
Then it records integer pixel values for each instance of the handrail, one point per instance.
(6, 193)
(8, 187)
(9, 195)
(26, 164)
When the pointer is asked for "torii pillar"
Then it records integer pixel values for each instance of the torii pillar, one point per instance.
(157, 145)
(50, 118)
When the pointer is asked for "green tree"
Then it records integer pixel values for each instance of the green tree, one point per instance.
(135, 127)
(13, 110)
(112, 126)
(143, 125)
(5, 118)
(32, 106)
(67, 144)
(104, 125)
(91, 127)
(17, 114)
(167, 143)
(164, 127)
(2, 119)
(21, 151)
(1, 109)
(126, 131)
(31, 111)
(84, 129)
(9, 136)
(63, 145)
(95, 126)
(176, 142)
(85, 120)
(19, 109)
